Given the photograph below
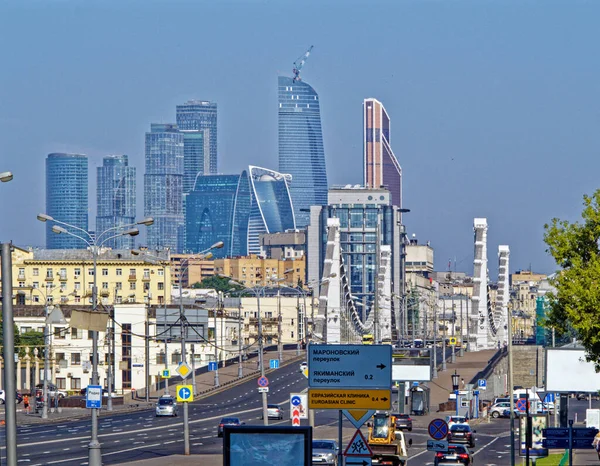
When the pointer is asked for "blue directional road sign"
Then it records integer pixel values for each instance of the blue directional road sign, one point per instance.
(212, 366)
(274, 363)
(438, 429)
(482, 384)
(350, 366)
(579, 443)
(185, 393)
(93, 397)
(296, 400)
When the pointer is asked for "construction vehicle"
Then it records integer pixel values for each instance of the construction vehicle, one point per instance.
(388, 445)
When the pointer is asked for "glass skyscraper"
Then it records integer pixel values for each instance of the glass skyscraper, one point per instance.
(272, 210)
(198, 120)
(163, 186)
(381, 168)
(210, 215)
(116, 199)
(301, 152)
(66, 198)
(237, 209)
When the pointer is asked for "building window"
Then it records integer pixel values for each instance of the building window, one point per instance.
(132, 285)
(146, 286)
(25, 329)
(36, 272)
(90, 334)
(119, 285)
(105, 272)
(36, 285)
(91, 272)
(160, 358)
(59, 333)
(161, 286)
(75, 359)
(105, 285)
(118, 300)
(126, 354)
(132, 272)
(63, 286)
(77, 272)
(119, 272)
(160, 272)
(176, 357)
(75, 384)
(60, 357)
(61, 383)
(75, 334)
(77, 286)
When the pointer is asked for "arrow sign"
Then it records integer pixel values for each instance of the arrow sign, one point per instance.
(350, 366)
(350, 461)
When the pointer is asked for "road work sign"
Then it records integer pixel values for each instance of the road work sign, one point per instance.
(349, 399)
(344, 366)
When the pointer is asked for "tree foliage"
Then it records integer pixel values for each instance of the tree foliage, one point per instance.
(217, 283)
(575, 306)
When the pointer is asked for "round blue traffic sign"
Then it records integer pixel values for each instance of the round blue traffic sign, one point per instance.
(296, 400)
(438, 429)
(184, 393)
(263, 381)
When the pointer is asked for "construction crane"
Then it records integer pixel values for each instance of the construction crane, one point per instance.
(299, 63)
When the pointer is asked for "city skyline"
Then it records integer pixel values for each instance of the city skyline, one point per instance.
(490, 104)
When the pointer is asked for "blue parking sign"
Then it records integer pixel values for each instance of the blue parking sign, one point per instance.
(482, 384)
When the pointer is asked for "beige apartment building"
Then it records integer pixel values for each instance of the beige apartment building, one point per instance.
(187, 269)
(256, 271)
(64, 276)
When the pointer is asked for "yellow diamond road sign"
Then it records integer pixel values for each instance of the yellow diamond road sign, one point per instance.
(349, 398)
(184, 370)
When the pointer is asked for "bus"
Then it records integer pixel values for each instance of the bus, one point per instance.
(367, 339)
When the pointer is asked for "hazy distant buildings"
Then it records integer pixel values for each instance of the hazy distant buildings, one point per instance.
(66, 198)
(381, 168)
(163, 186)
(197, 119)
(301, 152)
(116, 199)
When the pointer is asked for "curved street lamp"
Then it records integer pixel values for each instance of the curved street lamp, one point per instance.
(95, 244)
(6, 176)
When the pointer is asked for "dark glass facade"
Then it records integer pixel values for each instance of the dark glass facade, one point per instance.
(67, 198)
(301, 152)
(163, 186)
(201, 157)
(116, 200)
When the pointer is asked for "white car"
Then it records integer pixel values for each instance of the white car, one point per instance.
(303, 366)
(450, 420)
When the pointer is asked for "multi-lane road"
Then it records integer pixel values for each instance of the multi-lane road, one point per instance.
(141, 435)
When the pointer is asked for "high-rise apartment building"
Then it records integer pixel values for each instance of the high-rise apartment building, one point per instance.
(66, 198)
(381, 168)
(163, 186)
(197, 119)
(301, 152)
(116, 199)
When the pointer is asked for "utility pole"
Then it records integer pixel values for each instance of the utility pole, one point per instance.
(147, 356)
(444, 340)
(240, 359)
(462, 343)
(279, 330)
(376, 297)
(435, 330)
(46, 360)
(109, 373)
(261, 362)
(8, 353)
(511, 388)
(94, 448)
(193, 369)
(215, 334)
(186, 425)
(453, 331)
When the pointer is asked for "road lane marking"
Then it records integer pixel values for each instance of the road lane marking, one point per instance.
(486, 445)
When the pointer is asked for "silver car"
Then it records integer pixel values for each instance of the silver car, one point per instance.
(325, 452)
(166, 406)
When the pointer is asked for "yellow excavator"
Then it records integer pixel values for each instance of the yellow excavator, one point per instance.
(388, 445)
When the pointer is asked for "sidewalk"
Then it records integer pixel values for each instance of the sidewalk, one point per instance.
(228, 377)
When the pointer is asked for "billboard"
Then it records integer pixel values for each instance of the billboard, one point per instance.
(412, 365)
(568, 371)
(538, 423)
(261, 445)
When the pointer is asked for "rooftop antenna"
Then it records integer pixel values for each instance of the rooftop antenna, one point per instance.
(299, 63)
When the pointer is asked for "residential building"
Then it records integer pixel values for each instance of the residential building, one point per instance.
(527, 276)
(62, 276)
(381, 168)
(419, 258)
(199, 116)
(187, 269)
(116, 200)
(67, 198)
(271, 208)
(367, 222)
(218, 209)
(163, 187)
(256, 271)
(286, 245)
(301, 152)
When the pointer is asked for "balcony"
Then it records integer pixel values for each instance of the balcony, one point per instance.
(62, 277)
(21, 276)
(146, 277)
(49, 277)
(132, 277)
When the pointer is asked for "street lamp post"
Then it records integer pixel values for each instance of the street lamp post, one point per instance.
(455, 379)
(94, 243)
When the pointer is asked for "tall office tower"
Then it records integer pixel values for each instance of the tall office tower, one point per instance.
(116, 199)
(211, 215)
(381, 168)
(163, 186)
(198, 120)
(66, 198)
(301, 152)
(272, 209)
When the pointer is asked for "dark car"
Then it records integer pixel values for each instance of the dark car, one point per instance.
(403, 421)
(228, 421)
(83, 391)
(18, 397)
(461, 433)
(459, 454)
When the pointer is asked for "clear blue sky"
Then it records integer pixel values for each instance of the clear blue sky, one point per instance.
(494, 104)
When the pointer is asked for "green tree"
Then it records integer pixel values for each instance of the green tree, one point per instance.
(31, 339)
(575, 306)
(216, 283)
